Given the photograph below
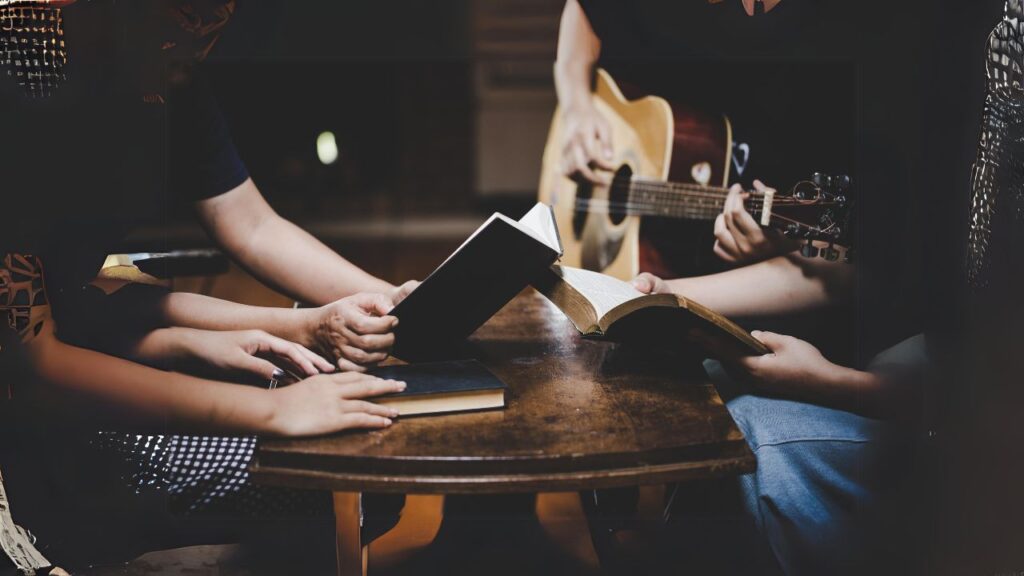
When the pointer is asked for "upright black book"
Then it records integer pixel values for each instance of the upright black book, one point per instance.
(499, 260)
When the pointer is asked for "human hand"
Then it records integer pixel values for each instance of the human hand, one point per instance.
(331, 403)
(586, 144)
(650, 284)
(355, 331)
(400, 292)
(793, 364)
(739, 239)
(231, 352)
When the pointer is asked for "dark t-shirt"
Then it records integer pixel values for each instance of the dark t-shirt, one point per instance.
(114, 147)
(826, 85)
(203, 161)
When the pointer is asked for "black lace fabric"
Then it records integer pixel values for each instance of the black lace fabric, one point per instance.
(997, 180)
(32, 50)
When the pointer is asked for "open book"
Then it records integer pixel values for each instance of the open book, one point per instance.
(604, 307)
(495, 263)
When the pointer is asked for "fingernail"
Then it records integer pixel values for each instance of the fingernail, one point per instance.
(278, 374)
(755, 333)
(387, 422)
(401, 385)
(394, 413)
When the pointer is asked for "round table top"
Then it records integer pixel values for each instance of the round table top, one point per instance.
(579, 414)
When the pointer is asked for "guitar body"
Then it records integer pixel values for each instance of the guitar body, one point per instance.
(652, 139)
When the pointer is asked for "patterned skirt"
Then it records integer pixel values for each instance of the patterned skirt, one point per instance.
(205, 475)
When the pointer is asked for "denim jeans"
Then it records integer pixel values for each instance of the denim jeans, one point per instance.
(820, 495)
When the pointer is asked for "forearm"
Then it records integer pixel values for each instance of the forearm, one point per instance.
(783, 285)
(279, 253)
(291, 260)
(578, 52)
(847, 389)
(186, 310)
(150, 396)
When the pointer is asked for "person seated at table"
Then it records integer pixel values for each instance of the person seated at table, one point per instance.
(53, 250)
(821, 430)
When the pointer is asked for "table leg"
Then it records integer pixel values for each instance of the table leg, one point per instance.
(352, 553)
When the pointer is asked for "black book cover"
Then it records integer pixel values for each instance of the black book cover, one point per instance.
(470, 287)
(440, 377)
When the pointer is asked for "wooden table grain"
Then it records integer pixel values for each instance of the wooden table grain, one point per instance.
(580, 414)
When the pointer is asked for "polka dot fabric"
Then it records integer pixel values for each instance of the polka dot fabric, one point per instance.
(206, 475)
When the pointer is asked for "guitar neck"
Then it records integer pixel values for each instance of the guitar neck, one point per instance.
(678, 200)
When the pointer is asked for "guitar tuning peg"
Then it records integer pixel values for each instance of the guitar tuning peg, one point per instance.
(842, 184)
(809, 250)
(820, 180)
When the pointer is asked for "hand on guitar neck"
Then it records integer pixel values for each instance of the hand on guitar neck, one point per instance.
(739, 239)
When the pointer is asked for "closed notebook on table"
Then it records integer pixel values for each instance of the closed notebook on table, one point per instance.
(499, 260)
(440, 387)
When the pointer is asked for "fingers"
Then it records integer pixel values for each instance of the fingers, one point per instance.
(296, 355)
(773, 341)
(644, 283)
(361, 420)
(368, 408)
(744, 222)
(319, 361)
(649, 283)
(257, 366)
(723, 254)
(360, 356)
(368, 387)
(725, 244)
(589, 146)
(346, 365)
(760, 187)
(733, 206)
(375, 304)
(598, 153)
(581, 166)
(374, 342)
(404, 290)
(604, 136)
(370, 314)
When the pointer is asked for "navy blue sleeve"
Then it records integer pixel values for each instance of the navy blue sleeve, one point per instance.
(203, 161)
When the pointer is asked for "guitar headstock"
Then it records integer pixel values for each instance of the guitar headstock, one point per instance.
(817, 211)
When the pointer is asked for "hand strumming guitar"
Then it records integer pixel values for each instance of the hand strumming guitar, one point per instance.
(739, 239)
(587, 145)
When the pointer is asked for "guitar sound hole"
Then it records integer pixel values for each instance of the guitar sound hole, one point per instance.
(618, 195)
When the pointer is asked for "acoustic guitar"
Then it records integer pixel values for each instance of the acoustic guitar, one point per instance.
(673, 167)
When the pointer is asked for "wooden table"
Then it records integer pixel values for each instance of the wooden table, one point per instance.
(580, 415)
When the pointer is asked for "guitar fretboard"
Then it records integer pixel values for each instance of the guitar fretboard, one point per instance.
(669, 199)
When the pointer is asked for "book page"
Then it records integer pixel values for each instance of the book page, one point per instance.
(603, 291)
(539, 222)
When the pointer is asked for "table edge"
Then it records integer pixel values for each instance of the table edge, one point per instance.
(505, 483)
